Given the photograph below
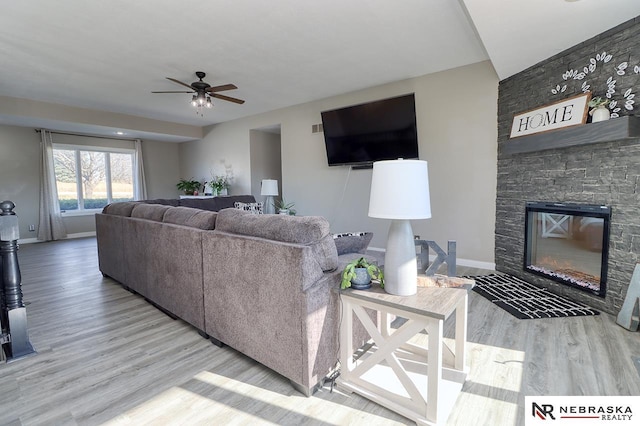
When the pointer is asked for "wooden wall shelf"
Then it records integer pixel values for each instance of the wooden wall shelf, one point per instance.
(621, 128)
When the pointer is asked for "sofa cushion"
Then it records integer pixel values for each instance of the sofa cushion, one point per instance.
(195, 218)
(289, 229)
(306, 230)
(352, 242)
(120, 209)
(150, 211)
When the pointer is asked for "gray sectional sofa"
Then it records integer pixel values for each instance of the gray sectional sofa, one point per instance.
(262, 284)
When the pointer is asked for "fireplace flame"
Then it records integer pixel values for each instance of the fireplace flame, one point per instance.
(566, 270)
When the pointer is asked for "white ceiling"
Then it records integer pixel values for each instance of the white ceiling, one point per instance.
(109, 55)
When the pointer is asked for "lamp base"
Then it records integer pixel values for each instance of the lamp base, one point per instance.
(400, 266)
(269, 205)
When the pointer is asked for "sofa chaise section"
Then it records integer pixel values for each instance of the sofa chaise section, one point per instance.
(160, 255)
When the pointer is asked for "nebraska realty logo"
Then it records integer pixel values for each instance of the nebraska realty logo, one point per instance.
(582, 410)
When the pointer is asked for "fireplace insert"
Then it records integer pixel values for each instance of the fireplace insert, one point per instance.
(568, 243)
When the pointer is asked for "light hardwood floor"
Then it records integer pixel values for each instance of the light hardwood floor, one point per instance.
(105, 356)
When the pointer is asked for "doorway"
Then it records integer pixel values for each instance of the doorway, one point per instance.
(266, 158)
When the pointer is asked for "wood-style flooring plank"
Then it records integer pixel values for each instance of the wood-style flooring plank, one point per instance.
(107, 357)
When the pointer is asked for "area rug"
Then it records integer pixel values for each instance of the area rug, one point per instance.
(526, 301)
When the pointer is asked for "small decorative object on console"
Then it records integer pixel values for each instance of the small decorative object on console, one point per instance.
(190, 187)
(219, 184)
(269, 188)
(253, 208)
(282, 207)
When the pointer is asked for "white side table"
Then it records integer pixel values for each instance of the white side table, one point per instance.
(418, 382)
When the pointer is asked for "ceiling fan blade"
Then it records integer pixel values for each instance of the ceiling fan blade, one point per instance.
(227, 98)
(179, 82)
(221, 88)
(173, 92)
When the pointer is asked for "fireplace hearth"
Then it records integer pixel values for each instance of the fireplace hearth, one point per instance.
(568, 243)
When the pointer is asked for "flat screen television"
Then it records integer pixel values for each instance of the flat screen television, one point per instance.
(361, 134)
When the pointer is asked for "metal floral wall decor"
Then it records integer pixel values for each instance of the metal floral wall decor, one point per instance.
(601, 76)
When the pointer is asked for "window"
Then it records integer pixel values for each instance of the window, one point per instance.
(89, 178)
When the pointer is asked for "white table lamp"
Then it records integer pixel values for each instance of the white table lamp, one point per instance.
(400, 191)
(270, 190)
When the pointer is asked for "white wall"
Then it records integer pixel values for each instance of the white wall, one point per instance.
(457, 131)
(19, 179)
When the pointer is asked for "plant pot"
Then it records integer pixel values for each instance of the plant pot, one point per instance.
(362, 280)
(600, 113)
(283, 211)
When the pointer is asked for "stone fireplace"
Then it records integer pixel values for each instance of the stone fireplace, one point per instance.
(595, 164)
(606, 174)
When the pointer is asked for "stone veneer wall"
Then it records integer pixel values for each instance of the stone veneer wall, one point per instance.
(604, 173)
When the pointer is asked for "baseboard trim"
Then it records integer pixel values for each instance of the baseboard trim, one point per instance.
(462, 262)
(69, 237)
(477, 264)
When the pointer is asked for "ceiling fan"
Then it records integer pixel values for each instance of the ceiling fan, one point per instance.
(203, 92)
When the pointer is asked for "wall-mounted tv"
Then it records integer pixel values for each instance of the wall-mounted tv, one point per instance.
(381, 130)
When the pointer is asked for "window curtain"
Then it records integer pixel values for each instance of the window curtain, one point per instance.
(141, 184)
(50, 225)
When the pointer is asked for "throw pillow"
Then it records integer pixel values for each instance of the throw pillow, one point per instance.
(253, 208)
(352, 242)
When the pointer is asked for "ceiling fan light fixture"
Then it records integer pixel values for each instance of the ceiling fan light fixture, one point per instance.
(201, 99)
(201, 91)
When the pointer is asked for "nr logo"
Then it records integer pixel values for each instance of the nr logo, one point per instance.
(542, 411)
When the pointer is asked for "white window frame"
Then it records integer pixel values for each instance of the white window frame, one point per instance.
(81, 211)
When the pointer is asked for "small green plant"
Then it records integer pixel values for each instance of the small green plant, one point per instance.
(282, 206)
(349, 272)
(598, 102)
(188, 186)
(219, 182)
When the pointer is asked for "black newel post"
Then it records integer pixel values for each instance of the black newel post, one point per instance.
(13, 318)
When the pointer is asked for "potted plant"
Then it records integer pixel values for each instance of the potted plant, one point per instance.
(219, 184)
(190, 187)
(282, 207)
(359, 273)
(599, 110)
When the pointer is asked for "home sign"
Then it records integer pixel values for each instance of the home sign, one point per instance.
(568, 112)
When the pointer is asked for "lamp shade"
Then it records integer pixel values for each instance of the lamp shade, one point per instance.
(400, 190)
(269, 187)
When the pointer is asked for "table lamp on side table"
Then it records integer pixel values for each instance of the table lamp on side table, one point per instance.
(400, 191)
(270, 190)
